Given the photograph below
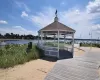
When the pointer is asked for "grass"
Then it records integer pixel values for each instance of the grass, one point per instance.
(11, 55)
(89, 45)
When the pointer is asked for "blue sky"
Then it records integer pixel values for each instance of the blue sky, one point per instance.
(28, 16)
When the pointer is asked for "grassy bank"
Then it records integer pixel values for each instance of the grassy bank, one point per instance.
(11, 55)
(89, 45)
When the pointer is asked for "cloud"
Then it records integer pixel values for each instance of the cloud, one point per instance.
(96, 28)
(81, 20)
(43, 18)
(77, 19)
(3, 22)
(63, 3)
(24, 14)
(93, 6)
(22, 5)
(16, 30)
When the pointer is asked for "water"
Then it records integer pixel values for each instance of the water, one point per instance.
(22, 42)
(19, 42)
(27, 41)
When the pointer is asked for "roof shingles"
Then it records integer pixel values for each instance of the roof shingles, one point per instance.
(57, 26)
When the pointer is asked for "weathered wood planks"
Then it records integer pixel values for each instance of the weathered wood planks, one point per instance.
(75, 69)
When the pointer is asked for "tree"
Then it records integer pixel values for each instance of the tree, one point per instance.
(1, 36)
(7, 35)
(17, 36)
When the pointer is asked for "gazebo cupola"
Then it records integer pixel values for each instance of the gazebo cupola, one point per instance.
(58, 30)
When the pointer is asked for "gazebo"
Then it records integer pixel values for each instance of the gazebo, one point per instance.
(58, 30)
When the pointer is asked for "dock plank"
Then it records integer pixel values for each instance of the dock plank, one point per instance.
(80, 63)
(74, 69)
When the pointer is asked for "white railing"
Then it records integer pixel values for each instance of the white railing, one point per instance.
(53, 51)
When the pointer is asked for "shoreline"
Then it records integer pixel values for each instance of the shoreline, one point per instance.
(34, 69)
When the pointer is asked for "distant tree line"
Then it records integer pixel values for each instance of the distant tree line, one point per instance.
(17, 36)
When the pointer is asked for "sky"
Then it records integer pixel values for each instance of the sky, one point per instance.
(29, 16)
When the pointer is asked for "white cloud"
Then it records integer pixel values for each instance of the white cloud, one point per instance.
(24, 14)
(22, 5)
(3, 22)
(96, 28)
(63, 3)
(93, 6)
(79, 20)
(43, 18)
(16, 30)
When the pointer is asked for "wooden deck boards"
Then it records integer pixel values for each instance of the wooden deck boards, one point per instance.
(75, 69)
(79, 63)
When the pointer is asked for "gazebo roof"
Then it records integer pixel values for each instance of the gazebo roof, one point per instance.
(56, 26)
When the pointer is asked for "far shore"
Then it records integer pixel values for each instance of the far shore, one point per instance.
(14, 39)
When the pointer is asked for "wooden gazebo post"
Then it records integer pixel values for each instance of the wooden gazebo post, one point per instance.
(73, 44)
(64, 39)
(38, 37)
(54, 38)
(58, 44)
(41, 37)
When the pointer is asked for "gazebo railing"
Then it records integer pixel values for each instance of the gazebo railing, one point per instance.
(49, 51)
(68, 48)
(50, 48)
(53, 51)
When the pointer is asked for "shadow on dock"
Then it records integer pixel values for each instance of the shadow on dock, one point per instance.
(48, 58)
(63, 54)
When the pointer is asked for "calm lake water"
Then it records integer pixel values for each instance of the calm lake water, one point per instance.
(33, 41)
(18, 42)
(21, 42)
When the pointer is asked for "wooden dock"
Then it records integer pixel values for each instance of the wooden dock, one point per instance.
(80, 68)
